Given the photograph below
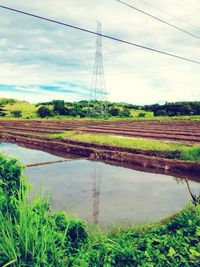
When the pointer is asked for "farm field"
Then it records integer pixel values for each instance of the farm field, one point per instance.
(179, 131)
(99, 134)
(172, 145)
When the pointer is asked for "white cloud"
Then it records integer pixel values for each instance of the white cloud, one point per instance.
(34, 52)
(41, 96)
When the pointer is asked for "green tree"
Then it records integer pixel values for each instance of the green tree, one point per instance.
(44, 112)
(125, 113)
(161, 112)
(114, 111)
(59, 107)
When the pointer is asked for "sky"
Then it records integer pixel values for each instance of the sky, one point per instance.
(42, 61)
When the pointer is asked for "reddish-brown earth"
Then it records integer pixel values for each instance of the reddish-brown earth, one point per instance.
(183, 131)
(33, 133)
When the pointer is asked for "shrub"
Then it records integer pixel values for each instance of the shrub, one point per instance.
(16, 113)
(2, 111)
(10, 175)
(114, 111)
(125, 113)
(141, 115)
(44, 112)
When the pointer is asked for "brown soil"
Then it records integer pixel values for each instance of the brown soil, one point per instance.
(31, 134)
(185, 132)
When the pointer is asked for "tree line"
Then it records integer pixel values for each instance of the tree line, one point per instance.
(82, 109)
(175, 109)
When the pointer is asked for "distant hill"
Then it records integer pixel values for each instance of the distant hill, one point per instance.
(27, 109)
(4, 101)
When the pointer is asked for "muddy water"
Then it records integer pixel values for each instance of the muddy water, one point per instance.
(101, 193)
(26, 155)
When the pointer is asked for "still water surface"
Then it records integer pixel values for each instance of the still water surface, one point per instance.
(102, 193)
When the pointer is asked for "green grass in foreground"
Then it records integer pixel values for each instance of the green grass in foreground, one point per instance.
(31, 236)
(187, 152)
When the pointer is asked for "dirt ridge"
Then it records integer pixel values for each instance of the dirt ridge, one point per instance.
(106, 154)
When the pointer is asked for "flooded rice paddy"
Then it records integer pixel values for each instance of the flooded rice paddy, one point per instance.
(103, 193)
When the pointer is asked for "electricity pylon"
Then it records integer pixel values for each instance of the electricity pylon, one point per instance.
(98, 91)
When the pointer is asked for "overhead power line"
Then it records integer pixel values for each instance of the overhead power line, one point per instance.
(103, 35)
(169, 14)
(158, 19)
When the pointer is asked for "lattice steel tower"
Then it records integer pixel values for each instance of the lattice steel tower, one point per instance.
(98, 86)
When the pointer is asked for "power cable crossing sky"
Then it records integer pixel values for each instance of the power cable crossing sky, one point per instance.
(47, 50)
(169, 14)
(158, 19)
(103, 35)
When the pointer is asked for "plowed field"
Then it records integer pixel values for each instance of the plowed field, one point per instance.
(32, 133)
(186, 132)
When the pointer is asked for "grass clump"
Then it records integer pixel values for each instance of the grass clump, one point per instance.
(68, 134)
(32, 236)
(29, 234)
(173, 150)
(190, 154)
(173, 243)
(136, 143)
(144, 144)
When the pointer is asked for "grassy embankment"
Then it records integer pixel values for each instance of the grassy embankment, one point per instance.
(185, 152)
(32, 236)
(27, 109)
